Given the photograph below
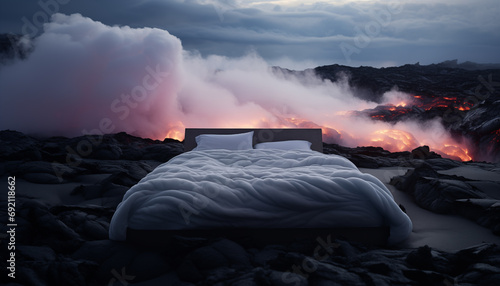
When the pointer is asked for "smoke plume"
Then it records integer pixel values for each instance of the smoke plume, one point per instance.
(85, 77)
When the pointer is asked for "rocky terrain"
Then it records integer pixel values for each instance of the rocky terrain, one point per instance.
(67, 189)
(465, 97)
(430, 184)
(63, 239)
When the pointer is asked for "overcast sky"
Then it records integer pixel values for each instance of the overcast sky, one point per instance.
(296, 34)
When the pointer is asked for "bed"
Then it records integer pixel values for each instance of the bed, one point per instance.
(265, 185)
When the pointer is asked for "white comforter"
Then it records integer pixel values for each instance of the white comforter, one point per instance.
(258, 188)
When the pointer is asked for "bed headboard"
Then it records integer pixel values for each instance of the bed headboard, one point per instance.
(313, 135)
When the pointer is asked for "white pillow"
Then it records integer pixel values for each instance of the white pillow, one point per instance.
(285, 145)
(241, 141)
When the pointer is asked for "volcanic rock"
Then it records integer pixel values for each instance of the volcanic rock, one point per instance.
(442, 193)
(67, 243)
(42, 178)
(424, 152)
(465, 97)
(221, 254)
(482, 125)
(17, 146)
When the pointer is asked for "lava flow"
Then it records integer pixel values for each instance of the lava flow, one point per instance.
(393, 140)
(456, 151)
(397, 140)
(176, 131)
(414, 108)
(421, 108)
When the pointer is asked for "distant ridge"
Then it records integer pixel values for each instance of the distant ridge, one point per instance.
(468, 65)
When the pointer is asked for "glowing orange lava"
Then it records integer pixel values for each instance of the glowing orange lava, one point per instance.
(456, 151)
(393, 140)
(397, 140)
(390, 139)
(176, 131)
(402, 104)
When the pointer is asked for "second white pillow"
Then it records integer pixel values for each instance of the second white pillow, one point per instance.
(285, 145)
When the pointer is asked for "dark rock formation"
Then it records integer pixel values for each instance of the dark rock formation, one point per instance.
(482, 126)
(377, 157)
(67, 243)
(465, 97)
(435, 80)
(450, 194)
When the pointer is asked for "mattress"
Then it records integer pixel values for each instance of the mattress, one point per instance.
(217, 189)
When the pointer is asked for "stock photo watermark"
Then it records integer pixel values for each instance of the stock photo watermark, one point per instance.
(485, 88)
(323, 250)
(120, 278)
(122, 107)
(449, 282)
(381, 18)
(201, 200)
(11, 224)
(32, 27)
(221, 7)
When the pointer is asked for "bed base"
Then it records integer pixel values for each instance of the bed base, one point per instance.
(376, 236)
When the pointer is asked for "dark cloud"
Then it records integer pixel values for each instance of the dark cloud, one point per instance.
(354, 32)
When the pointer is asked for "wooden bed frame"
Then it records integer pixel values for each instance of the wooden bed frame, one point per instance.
(261, 236)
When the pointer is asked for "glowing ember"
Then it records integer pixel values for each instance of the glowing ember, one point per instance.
(387, 112)
(402, 104)
(329, 134)
(429, 103)
(394, 140)
(176, 131)
(496, 137)
(456, 151)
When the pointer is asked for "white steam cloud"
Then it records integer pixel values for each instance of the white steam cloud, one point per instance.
(85, 77)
